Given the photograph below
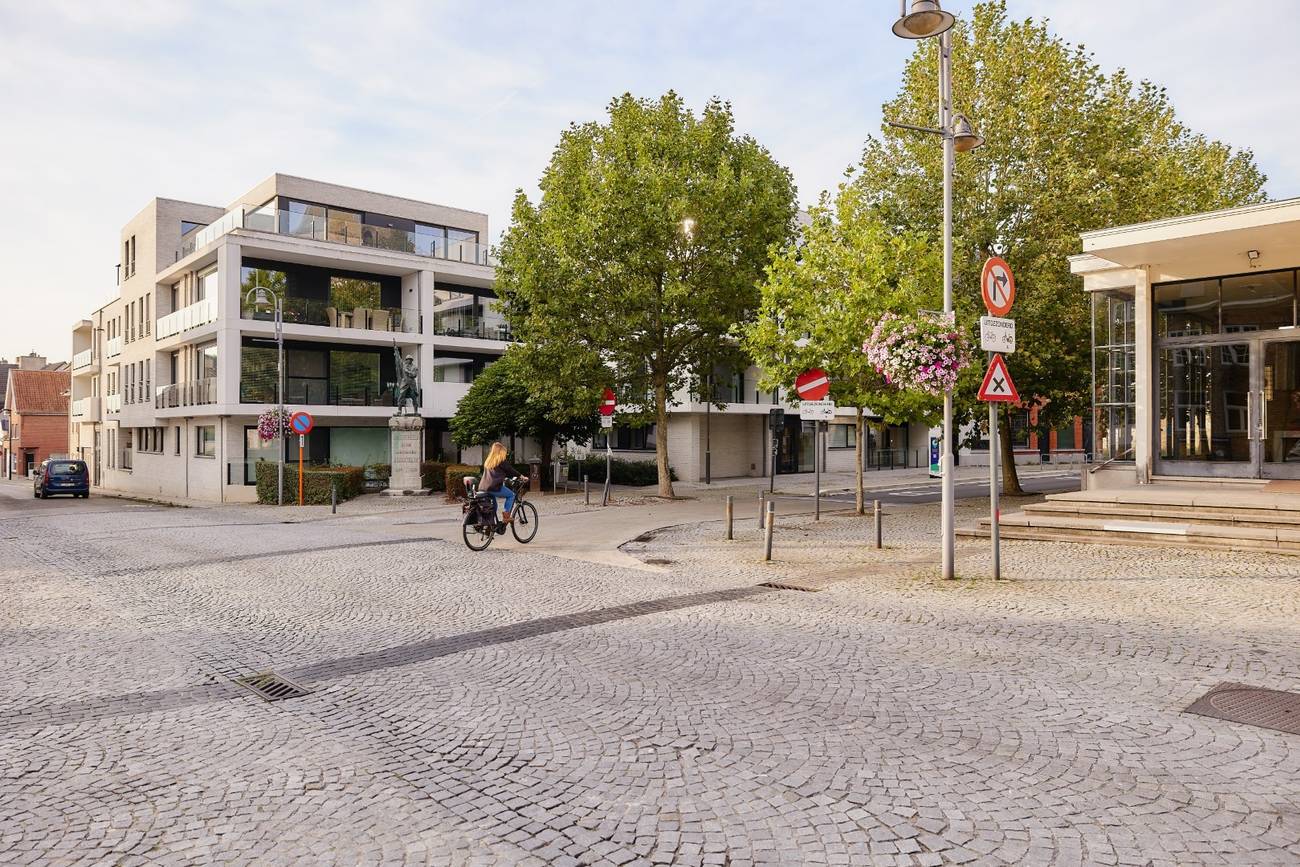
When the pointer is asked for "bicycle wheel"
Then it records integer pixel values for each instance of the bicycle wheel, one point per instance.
(524, 526)
(475, 538)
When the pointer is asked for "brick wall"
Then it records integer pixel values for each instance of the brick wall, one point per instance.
(47, 434)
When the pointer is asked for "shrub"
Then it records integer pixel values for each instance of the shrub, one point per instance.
(316, 483)
(433, 475)
(454, 473)
(622, 471)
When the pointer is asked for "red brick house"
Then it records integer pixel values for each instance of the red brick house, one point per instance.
(36, 407)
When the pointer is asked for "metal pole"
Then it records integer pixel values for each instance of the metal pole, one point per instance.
(730, 514)
(762, 507)
(586, 491)
(876, 520)
(817, 471)
(334, 497)
(949, 491)
(708, 454)
(279, 388)
(604, 497)
(301, 440)
(767, 532)
(995, 514)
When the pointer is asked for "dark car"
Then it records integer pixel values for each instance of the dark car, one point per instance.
(57, 476)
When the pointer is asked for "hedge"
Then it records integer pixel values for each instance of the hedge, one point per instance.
(433, 475)
(317, 482)
(452, 479)
(623, 472)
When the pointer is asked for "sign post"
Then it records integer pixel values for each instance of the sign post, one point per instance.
(608, 404)
(813, 387)
(775, 425)
(997, 336)
(302, 423)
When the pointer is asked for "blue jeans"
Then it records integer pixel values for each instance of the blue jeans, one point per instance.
(505, 494)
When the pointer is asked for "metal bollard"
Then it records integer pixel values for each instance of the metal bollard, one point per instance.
(762, 500)
(876, 513)
(334, 499)
(767, 534)
(730, 515)
(586, 491)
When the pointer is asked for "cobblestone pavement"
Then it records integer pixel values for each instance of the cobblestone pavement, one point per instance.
(513, 708)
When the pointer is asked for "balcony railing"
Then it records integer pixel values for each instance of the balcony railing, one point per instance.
(308, 391)
(197, 392)
(86, 406)
(84, 358)
(199, 313)
(337, 231)
(485, 328)
(113, 403)
(312, 311)
(113, 347)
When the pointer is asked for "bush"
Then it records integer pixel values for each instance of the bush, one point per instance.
(433, 475)
(622, 471)
(316, 483)
(453, 475)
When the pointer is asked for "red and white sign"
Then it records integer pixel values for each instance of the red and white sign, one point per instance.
(812, 384)
(998, 387)
(607, 403)
(998, 287)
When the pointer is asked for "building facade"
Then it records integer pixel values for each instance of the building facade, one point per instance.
(36, 412)
(169, 377)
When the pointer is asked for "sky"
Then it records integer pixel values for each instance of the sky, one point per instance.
(107, 105)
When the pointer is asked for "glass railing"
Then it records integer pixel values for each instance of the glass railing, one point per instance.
(197, 392)
(113, 347)
(113, 403)
(311, 311)
(484, 327)
(199, 313)
(311, 391)
(84, 358)
(338, 231)
(746, 392)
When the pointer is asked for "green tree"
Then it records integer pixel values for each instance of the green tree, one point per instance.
(824, 294)
(604, 281)
(502, 403)
(1069, 149)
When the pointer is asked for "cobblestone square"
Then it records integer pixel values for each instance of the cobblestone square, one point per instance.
(520, 707)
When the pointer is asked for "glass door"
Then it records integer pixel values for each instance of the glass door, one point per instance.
(1278, 390)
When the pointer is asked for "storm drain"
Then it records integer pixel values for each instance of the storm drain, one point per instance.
(271, 686)
(791, 585)
(1251, 705)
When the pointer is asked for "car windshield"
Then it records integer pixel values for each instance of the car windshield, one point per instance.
(65, 467)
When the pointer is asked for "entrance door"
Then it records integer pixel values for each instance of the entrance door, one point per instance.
(1278, 422)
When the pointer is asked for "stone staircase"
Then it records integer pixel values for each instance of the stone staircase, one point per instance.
(1245, 518)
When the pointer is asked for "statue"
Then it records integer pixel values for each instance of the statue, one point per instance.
(407, 386)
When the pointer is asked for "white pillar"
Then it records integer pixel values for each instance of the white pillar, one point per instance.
(1145, 377)
(228, 302)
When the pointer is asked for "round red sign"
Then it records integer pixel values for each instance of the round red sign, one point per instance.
(812, 384)
(998, 287)
(301, 422)
(607, 403)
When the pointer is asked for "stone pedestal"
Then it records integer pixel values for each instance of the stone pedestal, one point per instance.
(405, 434)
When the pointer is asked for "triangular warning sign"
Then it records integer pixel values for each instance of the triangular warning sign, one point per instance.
(997, 383)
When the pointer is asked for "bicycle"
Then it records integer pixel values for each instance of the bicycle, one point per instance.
(481, 524)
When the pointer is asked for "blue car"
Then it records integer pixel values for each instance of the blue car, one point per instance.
(60, 476)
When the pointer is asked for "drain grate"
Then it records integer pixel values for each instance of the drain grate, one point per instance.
(271, 686)
(1251, 705)
(790, 585)
(660, 561)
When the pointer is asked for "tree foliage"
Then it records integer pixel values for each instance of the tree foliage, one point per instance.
(1069, 149)
(600, 279)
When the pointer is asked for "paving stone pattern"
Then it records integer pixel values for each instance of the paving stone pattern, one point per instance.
(511, 708)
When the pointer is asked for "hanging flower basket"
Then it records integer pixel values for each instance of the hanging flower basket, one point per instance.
(267, 428)
(918, 353)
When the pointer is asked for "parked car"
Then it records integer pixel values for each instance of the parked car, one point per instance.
(56, 476)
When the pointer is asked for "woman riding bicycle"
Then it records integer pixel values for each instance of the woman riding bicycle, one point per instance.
(496, 469)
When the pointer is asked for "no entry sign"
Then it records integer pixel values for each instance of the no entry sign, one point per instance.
(301, 422)
(998, 287)
(812, 384)
(607, 403)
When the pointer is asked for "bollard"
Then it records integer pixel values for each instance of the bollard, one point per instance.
(730, 514)
(762, 499)
(334, 499)
(767, 534)
(876, 517)
(586, 491)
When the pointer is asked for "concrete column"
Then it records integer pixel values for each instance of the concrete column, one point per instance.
(417, 300)
(1144, 370)
(228, 300)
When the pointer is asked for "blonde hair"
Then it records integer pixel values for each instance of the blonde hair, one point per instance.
(496, 455)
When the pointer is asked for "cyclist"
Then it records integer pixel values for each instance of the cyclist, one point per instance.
(496, 470)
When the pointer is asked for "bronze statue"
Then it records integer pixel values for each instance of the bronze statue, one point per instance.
(407, 386)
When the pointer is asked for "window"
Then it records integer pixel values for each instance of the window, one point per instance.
(130, 321)
(205, 441)
(149, 440)
(205, 286)
(304, 220)
(628, 439)
(145, 317)
(178, 439)
(842, 436)
(205, 361)
(462, 245)
(349, 293)
(344, 226)
(127, 444)
(148, 379)
(128, 257)
(188, 226)
(1114, 371)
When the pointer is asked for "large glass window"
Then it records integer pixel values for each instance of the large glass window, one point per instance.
(348, 294)
(1255, 302)
(205, 441)
(627, 439)
(304, 220)
(206, 285)
(206, 361)
(345, 226)
(354, 378)
(255, 449)
(1204, 394)
(842, 436)
(1114, 357)
(1187, 309)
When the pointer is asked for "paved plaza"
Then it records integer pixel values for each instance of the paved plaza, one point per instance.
(578, 702)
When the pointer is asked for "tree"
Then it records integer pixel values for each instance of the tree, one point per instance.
(822, 297)
(1069, 149)
(501, 403)
(603, 280)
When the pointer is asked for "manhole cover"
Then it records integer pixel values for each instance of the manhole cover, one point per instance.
(272, 686)
(1252, 705)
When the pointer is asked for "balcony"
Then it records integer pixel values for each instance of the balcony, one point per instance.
(197, 392)
(311, 311)
(113, 347)
(85, 358)
(113, 403)
(85, 409)
(309, 391)
(199, 313)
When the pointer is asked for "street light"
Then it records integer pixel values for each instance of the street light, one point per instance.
(924, 21)
(263, 297)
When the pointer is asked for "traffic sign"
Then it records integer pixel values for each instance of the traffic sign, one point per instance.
(607, 403)
(998, 287)
(606, 421)
(997, 335)
(817, 410)
(998, 386)
(301, 422)
(812, 384)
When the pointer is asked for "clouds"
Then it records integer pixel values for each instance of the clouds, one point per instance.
(107, 105)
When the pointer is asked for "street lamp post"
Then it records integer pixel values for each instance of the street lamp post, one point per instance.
(262, 297)
(926, 20)
(688, 229)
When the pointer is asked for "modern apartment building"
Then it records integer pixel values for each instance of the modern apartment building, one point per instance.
(169, 377)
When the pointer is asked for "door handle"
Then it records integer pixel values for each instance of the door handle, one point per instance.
(1251, 430)
(1263, 417)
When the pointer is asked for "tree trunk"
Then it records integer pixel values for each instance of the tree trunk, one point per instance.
(1010, 476)
(858, 504)
(661, 438)
(547, 444)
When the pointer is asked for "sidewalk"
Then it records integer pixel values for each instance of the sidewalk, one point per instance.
(841, 482)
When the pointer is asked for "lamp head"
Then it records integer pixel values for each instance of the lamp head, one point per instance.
(260, 296)
(964, 138)
(925, 20)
